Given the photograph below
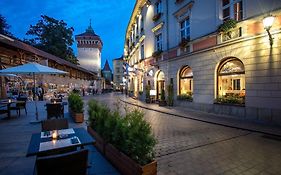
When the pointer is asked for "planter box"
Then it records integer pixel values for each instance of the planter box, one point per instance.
(162, 103)
(100, 143)
(122, 162)
(78, 117)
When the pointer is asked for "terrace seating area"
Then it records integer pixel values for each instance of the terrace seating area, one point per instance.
(78, 158)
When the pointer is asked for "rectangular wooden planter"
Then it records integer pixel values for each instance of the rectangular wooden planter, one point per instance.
(78, 117)
(122, 162)
(100, 143)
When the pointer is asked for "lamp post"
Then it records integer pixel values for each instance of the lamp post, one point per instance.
(267, 23)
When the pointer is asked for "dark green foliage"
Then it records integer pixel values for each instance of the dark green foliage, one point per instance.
(157, 53)
(75, 103)
(187, 97)
(227, 25)
(131, 134)
(230, 100)
(4, 27)
(162, 97)
(54, 37)
(170, 95)
(147, 91)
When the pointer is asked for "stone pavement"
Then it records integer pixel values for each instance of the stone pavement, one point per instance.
(15, 136)
(194, 146)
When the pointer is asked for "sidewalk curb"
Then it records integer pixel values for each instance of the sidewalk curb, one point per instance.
(205, 121)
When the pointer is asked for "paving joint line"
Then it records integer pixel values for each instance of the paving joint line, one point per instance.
(201, 120)
(207, 144)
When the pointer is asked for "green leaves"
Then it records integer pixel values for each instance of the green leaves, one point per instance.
(54, 37)
(227, 25)
(4, 26)
(75, 103)
(131, 134)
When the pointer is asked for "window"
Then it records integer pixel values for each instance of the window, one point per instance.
(231, 79)
(185, 29)
(236, 84)
(158, 39)
(186, 81)
(158, 7)
(232, 9)
(142, 50)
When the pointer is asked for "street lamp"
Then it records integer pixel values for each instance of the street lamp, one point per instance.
(267, 24)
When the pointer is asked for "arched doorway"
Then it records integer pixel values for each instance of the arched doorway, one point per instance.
(185, 81)
(160, 84)
(231, 79)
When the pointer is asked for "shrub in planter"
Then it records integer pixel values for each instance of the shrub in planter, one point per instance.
(76, 107)
(170, 95)
(130, 134)
(227, 26)
(162, 101)
(147, 93)
(187, 97)
(230, 100)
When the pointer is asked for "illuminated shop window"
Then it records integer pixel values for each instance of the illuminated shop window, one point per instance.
(231, 79)
(186, 81)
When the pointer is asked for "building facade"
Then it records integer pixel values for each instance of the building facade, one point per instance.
(118, 73)
(14, 52)
(218, 54)
(89, 46)
(107, 76)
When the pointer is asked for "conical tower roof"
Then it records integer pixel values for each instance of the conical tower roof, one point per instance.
(106, 67)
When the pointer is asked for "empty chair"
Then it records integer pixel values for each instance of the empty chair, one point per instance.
(54, 124)
(54, 110)
(72, 163)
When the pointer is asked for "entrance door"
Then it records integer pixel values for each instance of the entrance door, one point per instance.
(160, 86)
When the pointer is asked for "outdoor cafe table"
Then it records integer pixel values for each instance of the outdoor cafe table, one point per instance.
(8, 103)
(46, 142)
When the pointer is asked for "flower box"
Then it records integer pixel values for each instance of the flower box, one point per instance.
(122, 162)
(78, 117)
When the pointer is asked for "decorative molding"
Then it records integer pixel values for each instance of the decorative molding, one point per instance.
(184, 11)
(158, 27)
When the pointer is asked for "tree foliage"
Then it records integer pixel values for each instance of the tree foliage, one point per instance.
(54, 37)
(4, 26)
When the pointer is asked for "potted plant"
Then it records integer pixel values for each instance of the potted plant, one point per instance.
(162, 101)
(76, 106)
(184, 42)
(157, 53)
(227, 26)
(170, 95)
(185, 97)
(147, 93)
(156, 17)
(126, 141)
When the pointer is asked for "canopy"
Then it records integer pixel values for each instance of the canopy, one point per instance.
(32, 68)
(7, 75)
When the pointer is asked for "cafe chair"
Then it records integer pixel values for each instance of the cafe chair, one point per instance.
(54, 110)
(72, 163)
(18, 107)
(56, 100)
(54, 124)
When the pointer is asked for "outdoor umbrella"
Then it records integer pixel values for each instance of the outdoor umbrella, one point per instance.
(32, 69)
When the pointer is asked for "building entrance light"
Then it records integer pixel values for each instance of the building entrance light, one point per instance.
(267, 24)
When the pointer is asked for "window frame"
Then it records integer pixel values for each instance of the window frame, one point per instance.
(159, 42)
(232, 10)
(185, 29)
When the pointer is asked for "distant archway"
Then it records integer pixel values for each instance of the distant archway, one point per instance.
(160, 83)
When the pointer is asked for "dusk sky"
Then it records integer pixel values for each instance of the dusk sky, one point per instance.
(109, 19)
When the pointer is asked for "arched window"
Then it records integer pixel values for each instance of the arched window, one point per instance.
(231, 79)
(186, 81)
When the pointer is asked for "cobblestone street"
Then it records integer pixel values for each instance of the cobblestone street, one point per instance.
(187, 146)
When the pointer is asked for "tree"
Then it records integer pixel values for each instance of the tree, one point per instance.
(54, 37)
(4, 27)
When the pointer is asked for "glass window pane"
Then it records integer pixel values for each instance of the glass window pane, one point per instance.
(225, 2)
(226, 12)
